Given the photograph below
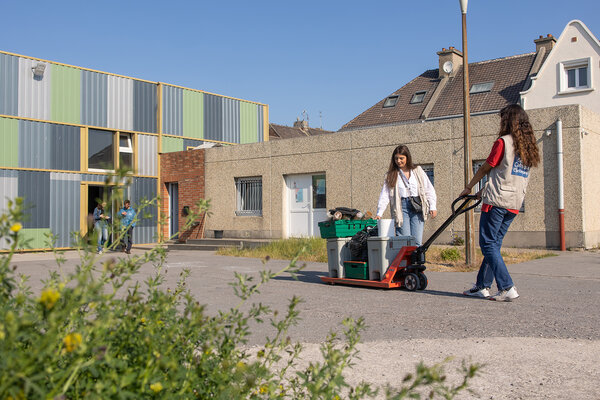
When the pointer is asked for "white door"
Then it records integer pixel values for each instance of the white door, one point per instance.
(306, 204)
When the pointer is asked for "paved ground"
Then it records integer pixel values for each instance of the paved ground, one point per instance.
(543, 345)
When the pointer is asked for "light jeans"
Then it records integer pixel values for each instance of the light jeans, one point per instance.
(102, 231)
(493, 225)
(412, 222)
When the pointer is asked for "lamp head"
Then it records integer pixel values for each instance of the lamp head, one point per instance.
(463, 6)
(38, 70)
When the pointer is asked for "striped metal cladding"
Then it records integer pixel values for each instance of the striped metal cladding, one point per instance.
(145, 106)
(248, 125)
(9, 189)
(9, 85)
(231, 120)
(48, 146)
(213, 117)
(193, 114)
(172, 110)
(34, 92)
(9, 142)
(34, 187)
(191, 143)
(147, 159)
(65, 94)
(145, 229)
(261, 124)
(94, 92)
(64, 206)
(119, 114)
(171, 144)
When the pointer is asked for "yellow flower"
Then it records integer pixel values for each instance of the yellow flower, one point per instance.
(72, 341)
(241, 366)
(156, 387)
(16, 227)
(49, 298)
(143, 320)
(264, 389)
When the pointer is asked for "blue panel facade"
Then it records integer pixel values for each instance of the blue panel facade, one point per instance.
(94, 95)
(34, 144)
(213, 117)
(64, 207)
(146, 228)
(9, 84)
(144, 106)
(231, 120)
(172, 110)
(65, 147)
(34, 187)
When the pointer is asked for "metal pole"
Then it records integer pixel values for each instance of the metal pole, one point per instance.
(561, 195)
(469, 234)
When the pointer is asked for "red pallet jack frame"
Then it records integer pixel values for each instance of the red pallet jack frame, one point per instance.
(406, 270)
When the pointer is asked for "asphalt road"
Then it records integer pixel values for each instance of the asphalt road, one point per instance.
(559, 297)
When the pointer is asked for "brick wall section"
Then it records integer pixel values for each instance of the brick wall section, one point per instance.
(186, 168)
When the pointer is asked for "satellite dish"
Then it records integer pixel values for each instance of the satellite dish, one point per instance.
(448, 67)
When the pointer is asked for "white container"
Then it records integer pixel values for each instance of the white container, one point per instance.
(382, 251)
(337, 253)
(386, 227)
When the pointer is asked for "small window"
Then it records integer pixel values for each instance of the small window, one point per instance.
(390, 101)
(575, 75)
(482, 182)
(481, 87)
(249, 196)
(428, 168)
(125, 151)
(319, 191)
(101, 150)
(418, 97)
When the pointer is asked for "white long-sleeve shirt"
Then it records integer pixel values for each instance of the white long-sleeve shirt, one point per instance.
(410, 189)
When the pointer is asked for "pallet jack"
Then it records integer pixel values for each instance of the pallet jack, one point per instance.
(406, 270)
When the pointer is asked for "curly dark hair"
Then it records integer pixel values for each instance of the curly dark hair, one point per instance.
(392, 174)
(515, 121)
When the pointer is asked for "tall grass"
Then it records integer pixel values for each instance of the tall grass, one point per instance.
(284, 249)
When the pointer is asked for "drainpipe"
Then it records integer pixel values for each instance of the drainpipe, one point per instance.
(561, 193)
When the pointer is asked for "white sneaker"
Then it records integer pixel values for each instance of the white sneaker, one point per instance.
(100, 252)
(506, 295)
(476, 291)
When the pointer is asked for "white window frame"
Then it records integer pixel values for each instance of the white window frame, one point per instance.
(565, 66)
(127, 149)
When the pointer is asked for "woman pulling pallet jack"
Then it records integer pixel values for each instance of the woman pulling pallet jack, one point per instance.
(406, 270)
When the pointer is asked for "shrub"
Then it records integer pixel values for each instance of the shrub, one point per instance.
(450, 254)
(457, 240)
(96, 333)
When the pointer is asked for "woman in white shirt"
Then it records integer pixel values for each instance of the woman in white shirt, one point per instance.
(407, 187)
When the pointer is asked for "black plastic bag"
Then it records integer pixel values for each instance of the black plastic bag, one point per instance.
(358, 243)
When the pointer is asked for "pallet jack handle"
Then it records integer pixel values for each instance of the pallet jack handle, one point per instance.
(418, 256)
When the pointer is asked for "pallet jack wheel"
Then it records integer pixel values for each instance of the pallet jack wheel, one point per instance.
(411, 282)
(422, 280)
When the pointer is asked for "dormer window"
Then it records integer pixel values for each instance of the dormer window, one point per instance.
(418, 97)
(481, 87)
(390, 101)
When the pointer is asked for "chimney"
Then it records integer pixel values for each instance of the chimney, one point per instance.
(547, 42)
(302, 124)
(452, 55)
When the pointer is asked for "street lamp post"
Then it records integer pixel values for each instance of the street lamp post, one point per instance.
(469, 234)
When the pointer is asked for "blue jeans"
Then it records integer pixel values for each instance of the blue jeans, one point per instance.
(412, 222)
(102, 231)
(492, 228)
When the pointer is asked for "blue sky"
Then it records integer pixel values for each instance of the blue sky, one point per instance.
(330, 57)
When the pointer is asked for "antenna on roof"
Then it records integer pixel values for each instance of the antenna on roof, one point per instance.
(320, 120)
(305, 115)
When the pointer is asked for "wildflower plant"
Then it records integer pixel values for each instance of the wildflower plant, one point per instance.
(97, 333)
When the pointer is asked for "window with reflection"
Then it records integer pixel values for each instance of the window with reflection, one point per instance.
(100, 149)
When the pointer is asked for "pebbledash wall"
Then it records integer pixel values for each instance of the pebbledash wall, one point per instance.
(355, 162)
(45, 119)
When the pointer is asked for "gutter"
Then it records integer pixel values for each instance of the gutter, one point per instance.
(561, 193)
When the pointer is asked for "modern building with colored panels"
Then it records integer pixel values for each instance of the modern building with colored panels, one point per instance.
(64, 129)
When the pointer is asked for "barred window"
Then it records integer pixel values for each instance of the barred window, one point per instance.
(249, 196)
(428, 169)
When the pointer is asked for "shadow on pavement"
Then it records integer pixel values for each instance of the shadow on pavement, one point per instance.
(303, 276)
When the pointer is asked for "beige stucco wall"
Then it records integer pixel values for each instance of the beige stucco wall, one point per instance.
(355, 162)
(590, 150)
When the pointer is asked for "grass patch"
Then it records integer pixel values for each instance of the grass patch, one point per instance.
(437, 256)
(284, 249)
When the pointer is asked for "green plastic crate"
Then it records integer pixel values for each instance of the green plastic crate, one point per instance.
(344, 228)
(356, 270)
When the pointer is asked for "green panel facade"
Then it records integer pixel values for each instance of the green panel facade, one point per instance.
(248, 122)
(193, 114)
(9, 142)
(171, 144)
(65, 94)
(34, 238)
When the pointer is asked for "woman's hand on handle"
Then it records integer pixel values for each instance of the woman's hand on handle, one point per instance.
(377, 217)
(433, 213)
(465, 192)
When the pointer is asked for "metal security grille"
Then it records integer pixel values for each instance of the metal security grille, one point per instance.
(249, 196)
